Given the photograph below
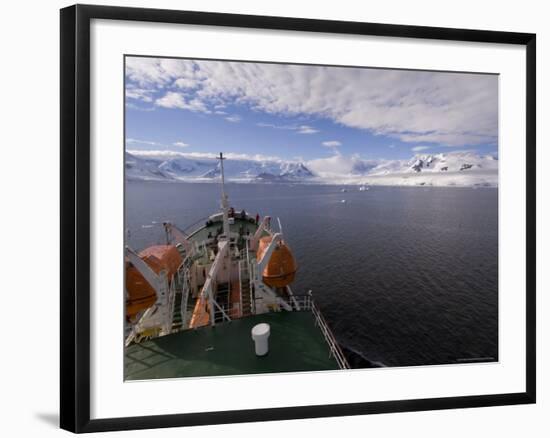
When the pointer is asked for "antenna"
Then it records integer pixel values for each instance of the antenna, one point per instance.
(225, 202)
(221, 158)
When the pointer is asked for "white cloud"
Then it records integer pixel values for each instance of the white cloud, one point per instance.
(145, 142)
(171, 100)
(154, 72)
(237, 156)
(420, 148)
(233, 119)
(451, 109)
(138, 108)
(300, 129)
(305, 129)
(139, 94)
(135, 141)
(332, 143)
(337, 165)
(207, 155)
(155, 153)
(177, 100)
(271, 125)
(185, 83)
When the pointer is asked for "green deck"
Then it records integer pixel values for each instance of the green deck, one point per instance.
(216, 227)
(295, 344)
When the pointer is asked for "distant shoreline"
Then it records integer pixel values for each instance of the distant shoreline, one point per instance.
(310, 183)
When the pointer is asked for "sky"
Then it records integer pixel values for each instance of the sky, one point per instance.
(305, 112)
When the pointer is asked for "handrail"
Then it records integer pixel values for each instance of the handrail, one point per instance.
(194, 224)
(195, 228)
(184, 298)
(222, 310)
(306, 302)
(240, 289)
(251, 274)
(329, 337)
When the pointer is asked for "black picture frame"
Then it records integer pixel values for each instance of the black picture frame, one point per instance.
(75, 216)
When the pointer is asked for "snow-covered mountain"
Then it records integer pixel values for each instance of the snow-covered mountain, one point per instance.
(178, 166)
(426, 163)
(140, 168)
(450, 169)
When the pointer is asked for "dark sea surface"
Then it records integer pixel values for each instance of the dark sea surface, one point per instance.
(403, 275)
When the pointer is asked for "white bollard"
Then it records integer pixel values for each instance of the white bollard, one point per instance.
(260, 335)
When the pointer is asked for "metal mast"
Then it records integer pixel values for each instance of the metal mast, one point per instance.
(225, 201)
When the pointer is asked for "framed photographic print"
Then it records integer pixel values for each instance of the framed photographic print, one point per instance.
(270, 218)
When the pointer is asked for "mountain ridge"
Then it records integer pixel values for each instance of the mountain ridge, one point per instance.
(459, 168)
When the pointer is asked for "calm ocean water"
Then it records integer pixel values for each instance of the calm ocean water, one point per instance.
(404, 276)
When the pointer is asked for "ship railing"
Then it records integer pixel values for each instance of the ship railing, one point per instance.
(170, 304)
(185, 290)
(299, 302)
(251, 275)
(223, 312)
(294, 303)
(129, 334)
(199, 224)
(240, 285)
(329, 337)
(306, 302)
(195, 226)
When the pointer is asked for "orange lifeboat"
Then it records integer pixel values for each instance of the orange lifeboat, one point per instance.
(281, 268)
(201, 314)
(141, 294)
